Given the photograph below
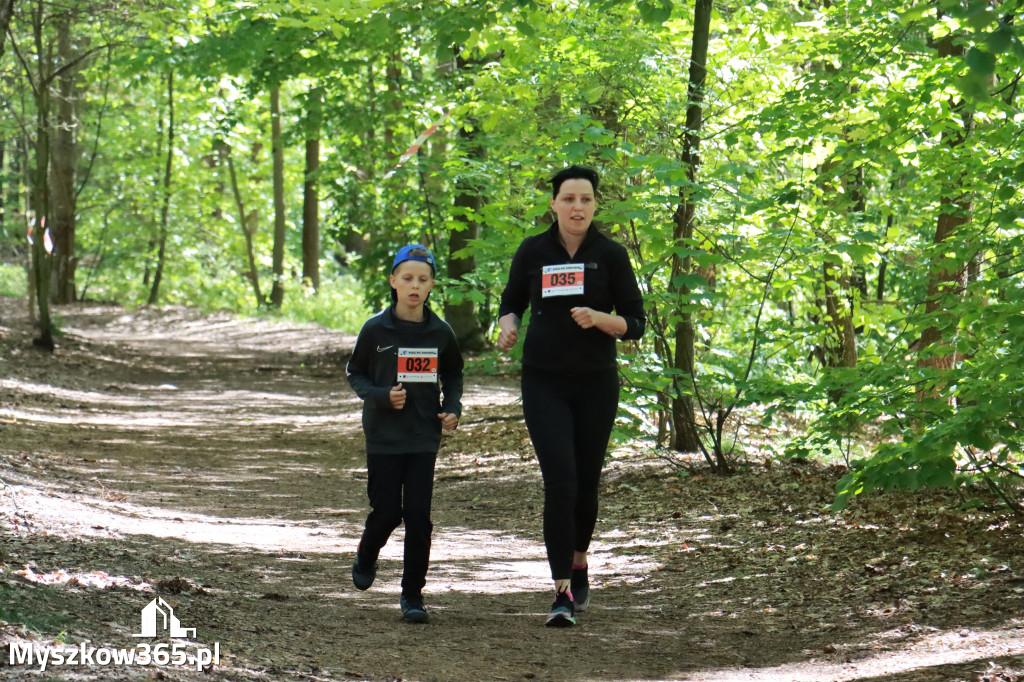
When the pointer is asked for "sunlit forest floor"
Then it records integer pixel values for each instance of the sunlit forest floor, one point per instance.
(217, 463)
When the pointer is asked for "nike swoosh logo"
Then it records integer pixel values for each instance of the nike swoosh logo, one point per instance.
(381, 350)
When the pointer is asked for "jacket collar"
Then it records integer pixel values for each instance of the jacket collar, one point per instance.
(391, 320)
(593, 234)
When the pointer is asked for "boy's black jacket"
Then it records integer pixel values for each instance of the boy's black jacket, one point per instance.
(372, 372)
(554, 342)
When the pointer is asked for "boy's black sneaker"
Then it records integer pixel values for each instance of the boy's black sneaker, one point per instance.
(563, 611)
(363, 574)
(580, 586)
(413, 610)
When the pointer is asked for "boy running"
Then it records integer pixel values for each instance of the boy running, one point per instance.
(407, 369)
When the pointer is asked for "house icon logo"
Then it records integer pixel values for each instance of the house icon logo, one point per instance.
(158, 611)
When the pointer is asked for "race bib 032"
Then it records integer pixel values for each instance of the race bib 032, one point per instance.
(417, 365)
(561, 280)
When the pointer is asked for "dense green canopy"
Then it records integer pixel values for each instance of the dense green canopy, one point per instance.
(823, 200)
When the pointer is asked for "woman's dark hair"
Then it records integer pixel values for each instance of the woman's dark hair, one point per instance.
(573, 173)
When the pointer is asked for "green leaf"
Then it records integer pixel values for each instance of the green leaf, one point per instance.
(915, 13)
(981, 62)
(525, 29)
(689, 281)
(974, 86)
(980, 15)
(577, 151)
(655, 11)
(999, 40)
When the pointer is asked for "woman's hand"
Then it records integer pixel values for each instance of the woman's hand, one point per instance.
(612, 325)
(449, 422)
(397, 396)
(508, 334)
(586, 317)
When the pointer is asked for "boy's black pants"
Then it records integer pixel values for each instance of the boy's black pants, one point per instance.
(400, 487)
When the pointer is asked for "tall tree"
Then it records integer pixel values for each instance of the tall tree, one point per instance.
(41, 80)
(165, 202)
(248, 221)
(280, 225)
(947, 274)
(464, 316)
(685, 437)
(311, 194)
(64, 164)
(6, 12)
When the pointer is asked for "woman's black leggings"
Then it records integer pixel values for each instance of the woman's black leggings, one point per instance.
(570, 420)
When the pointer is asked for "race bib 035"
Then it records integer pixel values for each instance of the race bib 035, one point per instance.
(561, 280)
(417, 365)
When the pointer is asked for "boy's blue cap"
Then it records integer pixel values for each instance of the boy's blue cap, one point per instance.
(414, 252)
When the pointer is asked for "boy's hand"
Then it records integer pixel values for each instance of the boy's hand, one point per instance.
(397, 396)
(449, 422)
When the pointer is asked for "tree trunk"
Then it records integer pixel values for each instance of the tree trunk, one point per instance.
(6, 12)
(3, 189)
(154, 292)
(841, 341)
(41, 259)
(947, 275)
(464, 317)
(249, 223)
(64, 160)
(359, 210)
(310, 195)
(393, 78)
(685, 437)
(277, 147)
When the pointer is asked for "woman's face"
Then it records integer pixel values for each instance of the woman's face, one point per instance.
(574, 205)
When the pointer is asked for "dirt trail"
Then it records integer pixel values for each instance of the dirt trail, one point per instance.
(218, 463)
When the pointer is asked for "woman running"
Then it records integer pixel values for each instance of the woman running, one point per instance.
(584, 296)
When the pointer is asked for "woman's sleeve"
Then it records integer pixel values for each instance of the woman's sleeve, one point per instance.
(516, 296)
(629, 302)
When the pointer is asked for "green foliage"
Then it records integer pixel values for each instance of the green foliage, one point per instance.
(337, 304)
(835, 142)
(13, 280)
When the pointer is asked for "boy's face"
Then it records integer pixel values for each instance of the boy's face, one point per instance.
(412, 280)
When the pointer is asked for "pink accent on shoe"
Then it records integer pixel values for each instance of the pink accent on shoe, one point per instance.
(566, 592)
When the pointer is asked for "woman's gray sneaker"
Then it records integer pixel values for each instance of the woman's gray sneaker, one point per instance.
(563, 611)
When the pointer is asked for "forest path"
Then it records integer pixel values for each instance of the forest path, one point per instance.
(218, 462)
